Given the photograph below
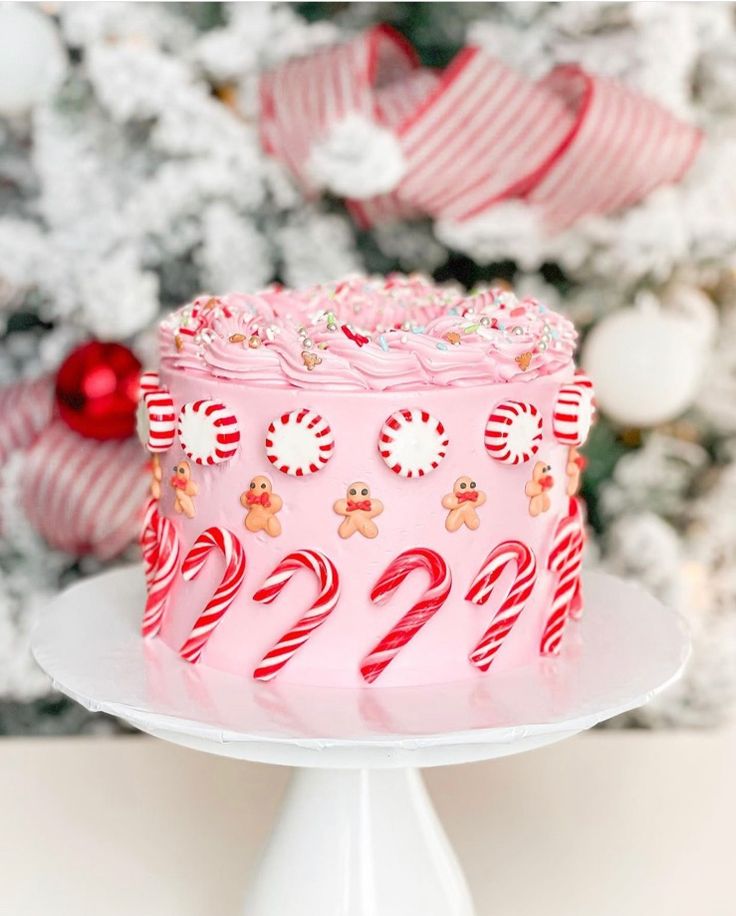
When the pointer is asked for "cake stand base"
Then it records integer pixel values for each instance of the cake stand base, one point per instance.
(357, 834)
(358, 842)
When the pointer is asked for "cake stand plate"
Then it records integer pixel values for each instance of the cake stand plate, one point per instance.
(357, 835)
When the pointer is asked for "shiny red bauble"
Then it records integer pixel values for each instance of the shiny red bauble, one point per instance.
(97, 390)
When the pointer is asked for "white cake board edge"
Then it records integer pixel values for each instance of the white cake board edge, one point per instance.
(357, 798)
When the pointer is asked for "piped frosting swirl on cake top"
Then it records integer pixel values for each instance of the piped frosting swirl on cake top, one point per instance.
(368, 334)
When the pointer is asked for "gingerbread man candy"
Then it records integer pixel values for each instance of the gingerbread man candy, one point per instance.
(184, 489)
(359, 509)
(157, 475)
(462, 503)
(574, 468)
(538, 487)
(262, 505)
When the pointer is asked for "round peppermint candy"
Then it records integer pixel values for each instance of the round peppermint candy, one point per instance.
(299, 443)
(208, 432)
(573, 412)
(412, 442)
(156, 420)
(149, 382)
(513, 432)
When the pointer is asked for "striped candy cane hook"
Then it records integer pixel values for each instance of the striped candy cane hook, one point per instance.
(214, 538)
(149, 539)
(565, 559)
(329, 592)
(162, 577)
(480, 591)
(440, 582)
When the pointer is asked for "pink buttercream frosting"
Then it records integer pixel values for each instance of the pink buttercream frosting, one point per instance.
(398, 333)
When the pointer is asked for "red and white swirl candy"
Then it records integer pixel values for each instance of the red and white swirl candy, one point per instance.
(412, 442)
(513, 604)
(565, 559)
(226, 543)
(163, 575)
(299, 443)
(440, 582)
(156, 420)
(149, 381)
(574, 411)
(513, 432)
(323, 569)
(208, 431)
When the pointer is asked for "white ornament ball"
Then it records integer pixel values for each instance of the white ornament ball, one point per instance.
(32, 58)
(358, 158)
(645, 365)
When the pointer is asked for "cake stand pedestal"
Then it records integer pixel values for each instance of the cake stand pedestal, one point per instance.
(357, 834)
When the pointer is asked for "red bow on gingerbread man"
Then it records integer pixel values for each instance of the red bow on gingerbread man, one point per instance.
(361, 505)
(469, 496)
(258, 499)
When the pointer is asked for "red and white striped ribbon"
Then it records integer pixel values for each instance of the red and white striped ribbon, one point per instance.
(479, 133)
(84, 496)
(224, 541)
(26, 407)
(304, 97)
(328, 579)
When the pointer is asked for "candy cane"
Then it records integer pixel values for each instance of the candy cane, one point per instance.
(232, 550)
(329, 591)
(149, 538)
(576, 604)
(417, 616)
(480, 591)
(565, 559)
(162, 580)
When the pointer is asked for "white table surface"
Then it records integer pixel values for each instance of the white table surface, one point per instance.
(606, 824)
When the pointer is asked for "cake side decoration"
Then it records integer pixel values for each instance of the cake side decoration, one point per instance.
(573, 412)
(513, 604)
(208, 432)
(156, 420)
(185, 489)
(299, 443)
(358, 509)
(157, 476)
(513, 432)
(412, 442)
(440, 583)
(149, 538)
(149, 381)
(262, 505)
(327, 576)
(537, 489)
(227, 544)
(574, 469)
(462, 504)
(165, 564)
(565, 560)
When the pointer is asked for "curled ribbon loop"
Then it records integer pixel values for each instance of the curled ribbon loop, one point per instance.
(467, 138)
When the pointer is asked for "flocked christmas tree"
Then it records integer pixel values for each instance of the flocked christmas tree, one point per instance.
(132, 177)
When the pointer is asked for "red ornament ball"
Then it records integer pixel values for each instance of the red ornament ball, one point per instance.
(97, 390)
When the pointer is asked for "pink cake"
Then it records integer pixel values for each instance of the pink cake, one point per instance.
(407, 455)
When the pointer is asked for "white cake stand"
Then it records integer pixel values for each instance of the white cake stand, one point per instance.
(357, 834)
